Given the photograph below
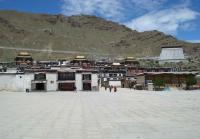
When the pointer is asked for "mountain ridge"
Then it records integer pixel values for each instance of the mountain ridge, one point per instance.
(81, 33)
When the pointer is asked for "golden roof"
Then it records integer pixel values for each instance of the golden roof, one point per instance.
(116, 64)
(23, 54)
(130, 58)
(80, 57)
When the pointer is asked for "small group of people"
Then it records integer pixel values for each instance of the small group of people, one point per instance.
(111, 87)
(132, 85)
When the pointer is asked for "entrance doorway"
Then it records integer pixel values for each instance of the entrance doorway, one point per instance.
(87, 87)
(66, 86)
(38, 86)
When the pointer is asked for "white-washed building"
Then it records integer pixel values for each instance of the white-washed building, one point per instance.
(15, 81)
(112, 75)
(172, 54)
(49, 80)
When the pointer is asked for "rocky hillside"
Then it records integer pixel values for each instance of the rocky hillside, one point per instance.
(87, 35)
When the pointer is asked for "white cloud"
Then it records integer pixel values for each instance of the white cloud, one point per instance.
(194, 41)
(115, 10)
(168, 21)
(148, 4)
(110, 9)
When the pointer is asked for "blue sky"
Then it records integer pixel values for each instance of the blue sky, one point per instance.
(180, 18)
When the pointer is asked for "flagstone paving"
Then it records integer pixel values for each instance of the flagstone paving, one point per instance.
(127, 114)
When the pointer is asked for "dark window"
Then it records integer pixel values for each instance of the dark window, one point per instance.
(87, 86)
(40, 76)
(66, 76)
(113, 75)
(66, 86)
(40, 86)
(86, 76)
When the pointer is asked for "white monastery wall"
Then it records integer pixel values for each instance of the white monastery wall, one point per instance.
(79, 82)
(52, 84)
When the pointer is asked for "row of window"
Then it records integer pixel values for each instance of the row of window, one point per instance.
(113, 75)
(62, 76)
(111, 79)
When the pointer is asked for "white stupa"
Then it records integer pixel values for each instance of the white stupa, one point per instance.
(172, 54)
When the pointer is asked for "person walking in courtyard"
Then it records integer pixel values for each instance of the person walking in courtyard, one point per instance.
(105, 87)
(110, 87)
(130, 85)
(115, 89)
(75, 89)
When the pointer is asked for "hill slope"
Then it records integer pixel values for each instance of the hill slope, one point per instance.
(91, 35)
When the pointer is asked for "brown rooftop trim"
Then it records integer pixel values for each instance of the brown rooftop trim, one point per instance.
(86, 70)
(81, 59)
(23, 56)
(175, 73)
(130, 59)
(40, 70)
(171, 46)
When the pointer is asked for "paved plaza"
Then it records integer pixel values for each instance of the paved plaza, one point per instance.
(127, 114)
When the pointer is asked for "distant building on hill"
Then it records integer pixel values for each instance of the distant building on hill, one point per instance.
(172, 54)
(23, 59)
(82, 61)
(130, 61)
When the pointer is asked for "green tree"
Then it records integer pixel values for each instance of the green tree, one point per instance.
(190, 80)
(158, 82)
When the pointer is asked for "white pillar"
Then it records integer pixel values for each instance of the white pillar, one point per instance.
(51, 81)
(79, 82)
(95, 82)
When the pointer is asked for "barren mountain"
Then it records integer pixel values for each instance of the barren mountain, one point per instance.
(88, 35)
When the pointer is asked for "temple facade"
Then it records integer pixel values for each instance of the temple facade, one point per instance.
(23, 59)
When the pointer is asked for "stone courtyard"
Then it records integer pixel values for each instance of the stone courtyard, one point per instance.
(127, 114)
